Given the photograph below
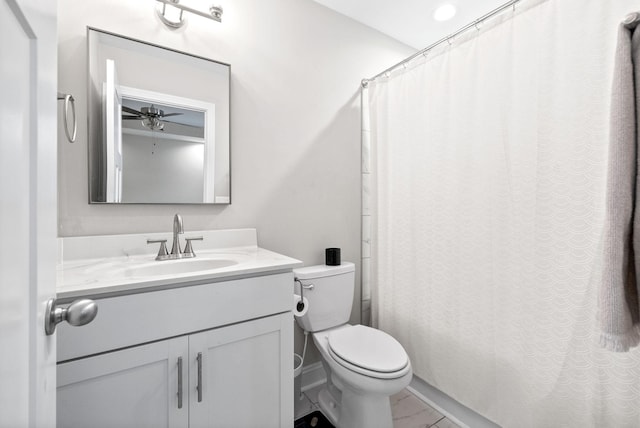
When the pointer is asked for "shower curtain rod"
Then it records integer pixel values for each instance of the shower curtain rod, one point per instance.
(511, 3)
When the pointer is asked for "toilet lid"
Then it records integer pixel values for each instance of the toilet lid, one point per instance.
(368, 348)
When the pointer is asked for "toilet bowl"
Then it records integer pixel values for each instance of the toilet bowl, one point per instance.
(363, 386)
(364, 366)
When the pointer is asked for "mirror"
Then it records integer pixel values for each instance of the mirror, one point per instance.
(158, 124)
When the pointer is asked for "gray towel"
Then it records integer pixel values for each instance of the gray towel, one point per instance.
(619, 313)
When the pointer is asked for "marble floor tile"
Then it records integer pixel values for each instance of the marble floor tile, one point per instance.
(410, 412)
(407, 410)
(396, 398)
(445, 423)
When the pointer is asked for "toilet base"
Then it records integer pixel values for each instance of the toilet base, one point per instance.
(329, 406)
(353, 410)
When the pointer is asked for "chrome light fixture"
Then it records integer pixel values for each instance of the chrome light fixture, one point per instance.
(171, 13)
(152, 118)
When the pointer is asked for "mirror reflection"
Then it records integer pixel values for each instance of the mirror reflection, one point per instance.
(158, 124)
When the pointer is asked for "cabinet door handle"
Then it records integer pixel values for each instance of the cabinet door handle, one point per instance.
(179, 382)
(199, 386)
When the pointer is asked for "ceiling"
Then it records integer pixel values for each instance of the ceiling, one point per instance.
(411, 21)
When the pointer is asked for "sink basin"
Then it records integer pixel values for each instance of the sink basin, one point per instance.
(175, 267)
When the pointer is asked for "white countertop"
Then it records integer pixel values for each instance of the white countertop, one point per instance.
(123, 264)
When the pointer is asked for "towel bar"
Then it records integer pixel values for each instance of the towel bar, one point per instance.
(68, 100)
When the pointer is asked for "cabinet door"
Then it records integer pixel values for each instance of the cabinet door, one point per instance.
(246, 375)
(135, 387)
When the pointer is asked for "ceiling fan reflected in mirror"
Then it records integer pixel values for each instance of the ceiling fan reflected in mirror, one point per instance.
(151, 117)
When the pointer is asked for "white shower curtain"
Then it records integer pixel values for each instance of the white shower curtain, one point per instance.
(484, 175)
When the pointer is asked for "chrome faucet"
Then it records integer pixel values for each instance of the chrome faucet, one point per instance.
(176, 253)
(178, 228)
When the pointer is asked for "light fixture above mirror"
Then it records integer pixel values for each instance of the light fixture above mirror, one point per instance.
(171, 13)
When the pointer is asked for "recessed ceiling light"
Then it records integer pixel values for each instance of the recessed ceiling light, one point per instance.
(444, 12)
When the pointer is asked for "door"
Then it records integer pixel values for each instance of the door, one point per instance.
(113, 132)
(140, 387)
(242, 375)
(28, 156)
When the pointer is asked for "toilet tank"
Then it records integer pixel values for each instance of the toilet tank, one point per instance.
(330, 298)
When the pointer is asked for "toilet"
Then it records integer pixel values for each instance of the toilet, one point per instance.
(364, 366)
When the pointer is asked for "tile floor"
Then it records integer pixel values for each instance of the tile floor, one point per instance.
(407, 409)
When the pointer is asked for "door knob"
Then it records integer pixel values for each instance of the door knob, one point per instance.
(79, 312)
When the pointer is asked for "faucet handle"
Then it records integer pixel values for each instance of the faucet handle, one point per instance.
(162, 252)
(188, 249)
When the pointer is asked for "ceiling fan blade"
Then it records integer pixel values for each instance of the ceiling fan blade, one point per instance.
(172, 114)
(132, 117)
(183, 124)
(132, 111)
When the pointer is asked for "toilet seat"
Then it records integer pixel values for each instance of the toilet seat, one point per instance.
(368, 351)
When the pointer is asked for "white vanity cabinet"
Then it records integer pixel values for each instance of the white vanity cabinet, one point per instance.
(240, 375)
(134, 387)
(235, 342)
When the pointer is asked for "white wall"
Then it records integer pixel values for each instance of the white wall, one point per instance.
(296, 67)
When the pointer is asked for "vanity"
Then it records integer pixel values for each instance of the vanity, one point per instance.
(201, 337)
(199, 342)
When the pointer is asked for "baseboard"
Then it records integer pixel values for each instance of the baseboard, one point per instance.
(452, 409)
(312, 376)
